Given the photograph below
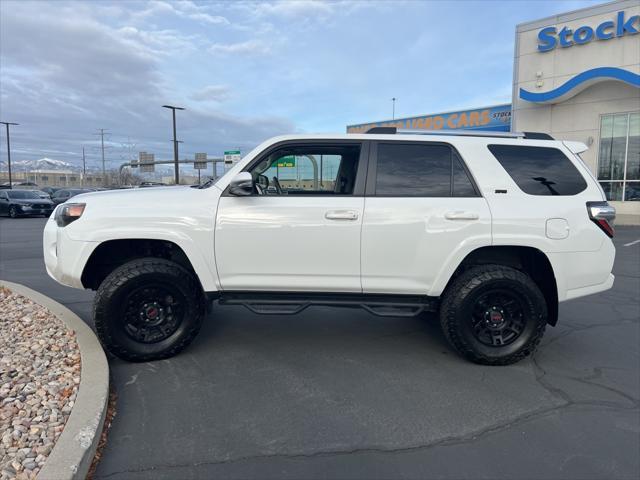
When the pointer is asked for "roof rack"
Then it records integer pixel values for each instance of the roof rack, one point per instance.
(460, 133)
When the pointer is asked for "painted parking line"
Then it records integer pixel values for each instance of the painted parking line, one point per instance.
(632, 243)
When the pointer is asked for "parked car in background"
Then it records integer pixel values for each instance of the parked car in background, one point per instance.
(20, 185)
(65, 194)
(42, 194)
(16, 203)
(152, 184)
(51, 190)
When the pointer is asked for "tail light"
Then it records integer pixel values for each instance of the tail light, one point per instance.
(603, 215)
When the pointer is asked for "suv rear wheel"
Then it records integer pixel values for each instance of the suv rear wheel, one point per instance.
(148, 309)
(493, 314)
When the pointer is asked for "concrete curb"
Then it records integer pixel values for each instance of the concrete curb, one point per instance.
(73, 453)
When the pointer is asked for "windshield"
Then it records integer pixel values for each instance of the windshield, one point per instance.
(22, 194)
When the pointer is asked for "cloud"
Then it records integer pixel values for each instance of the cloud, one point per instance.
(184, 9)
(215, 93)
(63, 80)
(290, 8)
(249, 47)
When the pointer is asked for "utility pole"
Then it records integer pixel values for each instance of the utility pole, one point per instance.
(9, 150)
(175, 142)
(84, 167)
(104, 169)
(393, 115)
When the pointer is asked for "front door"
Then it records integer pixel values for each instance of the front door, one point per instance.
(300, 231)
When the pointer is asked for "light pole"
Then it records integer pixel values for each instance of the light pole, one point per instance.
(9, 150)
(175, 142)
(393, 115)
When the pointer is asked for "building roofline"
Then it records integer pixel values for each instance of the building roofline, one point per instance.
(576, 14)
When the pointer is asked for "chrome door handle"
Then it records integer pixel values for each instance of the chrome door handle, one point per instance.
(341, 215)
(461, 216)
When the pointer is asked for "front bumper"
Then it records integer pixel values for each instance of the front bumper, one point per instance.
(65, 258)
(29, 210)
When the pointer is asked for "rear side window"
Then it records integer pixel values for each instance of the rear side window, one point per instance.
(420, 170)
(539, 170)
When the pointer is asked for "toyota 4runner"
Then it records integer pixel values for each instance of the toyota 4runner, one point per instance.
(489, 229)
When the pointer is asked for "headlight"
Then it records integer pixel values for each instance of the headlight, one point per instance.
(68, 212)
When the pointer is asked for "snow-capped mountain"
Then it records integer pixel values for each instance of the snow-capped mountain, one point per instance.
(40, 164)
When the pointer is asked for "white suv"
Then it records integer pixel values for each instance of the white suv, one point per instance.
(490, 229)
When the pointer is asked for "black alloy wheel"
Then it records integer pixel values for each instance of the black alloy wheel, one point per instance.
(498, 317)
(153, 313)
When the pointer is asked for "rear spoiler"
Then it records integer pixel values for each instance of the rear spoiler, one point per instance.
(576, 147)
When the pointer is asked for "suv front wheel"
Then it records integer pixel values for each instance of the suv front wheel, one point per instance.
(493, 314)
(148, 309)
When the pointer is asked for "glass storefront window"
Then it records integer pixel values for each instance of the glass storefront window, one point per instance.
(619, 156)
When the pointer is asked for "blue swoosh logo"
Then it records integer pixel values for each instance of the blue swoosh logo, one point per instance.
(597, 74)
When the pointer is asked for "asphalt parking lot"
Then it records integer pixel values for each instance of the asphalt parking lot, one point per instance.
(343, 394)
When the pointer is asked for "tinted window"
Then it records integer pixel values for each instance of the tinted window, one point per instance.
(462, 186)
(420, 170)
(539, 170)
(22, 194)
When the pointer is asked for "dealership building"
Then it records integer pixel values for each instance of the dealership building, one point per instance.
(576, 76)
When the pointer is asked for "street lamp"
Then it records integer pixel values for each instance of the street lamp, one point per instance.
(175, 142)
(9, 150)
(393, 115)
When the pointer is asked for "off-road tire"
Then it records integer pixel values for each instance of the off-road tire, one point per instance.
(130, 277)
(458, 303)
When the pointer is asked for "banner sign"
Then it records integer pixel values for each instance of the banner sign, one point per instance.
(496, 118)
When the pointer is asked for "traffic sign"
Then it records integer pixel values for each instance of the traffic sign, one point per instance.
(201, 161)
(146, 162)
(288, 161)
(231, 157)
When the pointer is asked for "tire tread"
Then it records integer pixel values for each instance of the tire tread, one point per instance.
(127, 272)
(462, 286)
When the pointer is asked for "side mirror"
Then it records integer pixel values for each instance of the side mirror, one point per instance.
(241, 184)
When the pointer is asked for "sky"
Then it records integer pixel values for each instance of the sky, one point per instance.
(244, 71)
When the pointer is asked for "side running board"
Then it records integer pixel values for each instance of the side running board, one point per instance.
(277, 303)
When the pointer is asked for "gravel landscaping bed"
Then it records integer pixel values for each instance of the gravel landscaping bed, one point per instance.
(39, 379)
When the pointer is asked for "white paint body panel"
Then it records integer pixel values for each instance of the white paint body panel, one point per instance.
(288, 243)
(394, 245)
(407, 241)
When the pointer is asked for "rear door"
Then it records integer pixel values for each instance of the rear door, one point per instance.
(422, 212)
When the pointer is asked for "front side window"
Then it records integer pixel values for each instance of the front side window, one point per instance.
(308, 170)
(539, 170)
(420, 170)
(619, 156)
